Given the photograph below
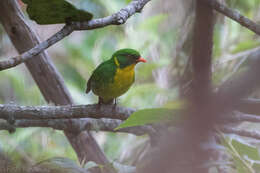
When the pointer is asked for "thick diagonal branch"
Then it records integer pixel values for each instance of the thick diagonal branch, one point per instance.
(46, 76)
(115, 19)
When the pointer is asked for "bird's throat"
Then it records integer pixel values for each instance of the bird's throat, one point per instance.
(124, 77)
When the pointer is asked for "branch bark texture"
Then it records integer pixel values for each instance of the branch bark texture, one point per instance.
(64, 112)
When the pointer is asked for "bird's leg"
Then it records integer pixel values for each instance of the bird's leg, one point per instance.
(100, 101)
(114, 107)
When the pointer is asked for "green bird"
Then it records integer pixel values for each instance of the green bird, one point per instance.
(115, 76)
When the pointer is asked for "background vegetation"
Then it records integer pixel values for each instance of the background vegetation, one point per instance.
(162, 33)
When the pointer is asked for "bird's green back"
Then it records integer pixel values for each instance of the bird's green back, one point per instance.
(102, 76)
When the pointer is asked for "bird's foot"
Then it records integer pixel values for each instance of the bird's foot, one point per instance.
(99, 103)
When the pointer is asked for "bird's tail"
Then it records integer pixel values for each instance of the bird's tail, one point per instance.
(88, 89)
(88, 86)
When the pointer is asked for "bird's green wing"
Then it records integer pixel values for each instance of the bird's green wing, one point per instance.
(102, 76)
(55, 11)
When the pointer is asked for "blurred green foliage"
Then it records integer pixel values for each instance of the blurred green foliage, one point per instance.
(155, 33)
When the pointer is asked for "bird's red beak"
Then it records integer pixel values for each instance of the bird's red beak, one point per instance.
(141, 60)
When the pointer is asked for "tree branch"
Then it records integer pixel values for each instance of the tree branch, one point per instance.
(14, 61)
(249, 106)
(56, 117)
(61, 114)
(241, 117)
(235, 15)
(118, 18)
(78, 125)
(64, 112)
(115, 19)
(246, 133)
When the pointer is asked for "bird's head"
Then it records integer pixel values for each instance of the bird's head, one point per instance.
(126, 57)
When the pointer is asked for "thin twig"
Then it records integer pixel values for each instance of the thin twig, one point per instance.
(115, 19)
(14, 61)
(118, 18)
(235, 15)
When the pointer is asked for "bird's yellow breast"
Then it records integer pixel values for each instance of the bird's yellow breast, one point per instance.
(124, 77)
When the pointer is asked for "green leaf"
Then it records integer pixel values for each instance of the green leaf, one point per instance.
(55, 11)
(248, 152)
(150, 116)
(237, 150)
(245, 150)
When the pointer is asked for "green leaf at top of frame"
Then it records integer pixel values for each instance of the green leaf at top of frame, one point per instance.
(150, 116)
(55, 11)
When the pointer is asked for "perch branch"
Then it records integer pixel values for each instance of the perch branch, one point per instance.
(92, 117)
(15, 112)
(115, 19)
(235, 15)
(78, 125)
